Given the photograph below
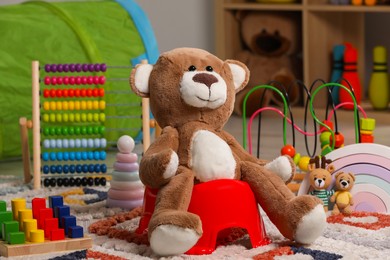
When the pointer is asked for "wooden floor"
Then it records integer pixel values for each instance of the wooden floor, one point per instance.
(272, 134)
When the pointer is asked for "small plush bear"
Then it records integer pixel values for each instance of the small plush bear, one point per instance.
(342, 197)
(320, 176)
(192, 95)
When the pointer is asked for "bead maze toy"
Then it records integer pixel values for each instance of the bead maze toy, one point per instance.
(330, 137)
(40, 229)
(72, 131)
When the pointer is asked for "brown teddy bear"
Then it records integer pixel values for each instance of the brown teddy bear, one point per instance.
(271, 41)
(192, 95)
(342, 197)
(320, 176)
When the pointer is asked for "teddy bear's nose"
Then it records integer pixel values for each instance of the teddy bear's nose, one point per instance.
(205, 78)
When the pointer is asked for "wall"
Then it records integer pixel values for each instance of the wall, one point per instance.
(178, 23)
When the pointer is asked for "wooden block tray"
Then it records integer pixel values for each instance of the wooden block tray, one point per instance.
(48, 246)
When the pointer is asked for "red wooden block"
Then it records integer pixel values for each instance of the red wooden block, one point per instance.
(57, 234)
(37, 204)
(44, 214)
(49, 225)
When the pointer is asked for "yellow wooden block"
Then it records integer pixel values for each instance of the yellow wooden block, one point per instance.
(17, 204)
(37, 236)
(29, 225)
(24, 214)
(367, 124)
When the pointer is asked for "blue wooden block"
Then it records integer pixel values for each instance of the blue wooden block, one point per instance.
(68, 221)
(56, 201)
(75, 232)
(61, 212)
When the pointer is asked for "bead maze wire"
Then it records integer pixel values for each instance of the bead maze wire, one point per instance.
(310, 94)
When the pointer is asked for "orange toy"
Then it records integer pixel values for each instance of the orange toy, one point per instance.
(221, 204)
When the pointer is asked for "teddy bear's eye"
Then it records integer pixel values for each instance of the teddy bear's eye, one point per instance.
(209, 68)
(323, 178)
(192, 68)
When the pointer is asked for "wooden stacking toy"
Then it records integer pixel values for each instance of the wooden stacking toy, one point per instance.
(40, 229)
(127, 190)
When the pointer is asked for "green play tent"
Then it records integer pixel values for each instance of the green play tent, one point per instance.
(117, 33)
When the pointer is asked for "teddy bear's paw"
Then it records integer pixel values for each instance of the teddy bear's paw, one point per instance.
(283, 167)
(168, 240)
(172, 166)
(311, 226)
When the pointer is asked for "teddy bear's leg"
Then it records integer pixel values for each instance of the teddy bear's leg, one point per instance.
(347, 210)
(172, 230)
(335, 210)
(301, 218)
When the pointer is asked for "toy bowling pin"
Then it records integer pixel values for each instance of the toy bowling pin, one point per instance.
(378, 88)
(337, 70)
(350, 74)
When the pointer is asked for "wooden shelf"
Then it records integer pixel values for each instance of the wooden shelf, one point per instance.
(322, 25)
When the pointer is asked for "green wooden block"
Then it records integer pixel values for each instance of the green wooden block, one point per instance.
(15, 238)
(3, 206)
(8, 227)
(4, 216)
(367, 124)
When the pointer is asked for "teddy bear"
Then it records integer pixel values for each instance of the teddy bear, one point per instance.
(271, 43)
(192, 94)
(342, 197)
(320, 176)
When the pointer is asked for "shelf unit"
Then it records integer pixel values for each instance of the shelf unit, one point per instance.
(323, 26)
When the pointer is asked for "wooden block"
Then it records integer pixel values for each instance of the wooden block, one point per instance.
(56, 201)
(37, 204)
(17, 204)
(367, 124)
(57, 234)
(75, 232)
(37, 236)
(24, 214)
(61, 212)
(4, 216)
(50, 224)
(3, 206)
(44, 214)
(46, 247)
(15, 238)
(28, 225)
(8, 227)
(68, 221)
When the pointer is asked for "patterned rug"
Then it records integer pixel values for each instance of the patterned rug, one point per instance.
(362, 235)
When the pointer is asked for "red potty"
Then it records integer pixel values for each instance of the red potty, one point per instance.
(220, 204)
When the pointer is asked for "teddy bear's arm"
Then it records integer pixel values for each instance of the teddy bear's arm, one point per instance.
(160, 162)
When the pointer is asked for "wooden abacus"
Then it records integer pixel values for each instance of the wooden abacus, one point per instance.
(88, 108)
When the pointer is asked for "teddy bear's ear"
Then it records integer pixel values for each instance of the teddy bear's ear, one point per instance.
(337, 174)
(139, 79)
(330, 168)
(240, 73)
(352, 175)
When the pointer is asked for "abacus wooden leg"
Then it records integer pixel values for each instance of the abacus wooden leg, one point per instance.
(25, 149)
